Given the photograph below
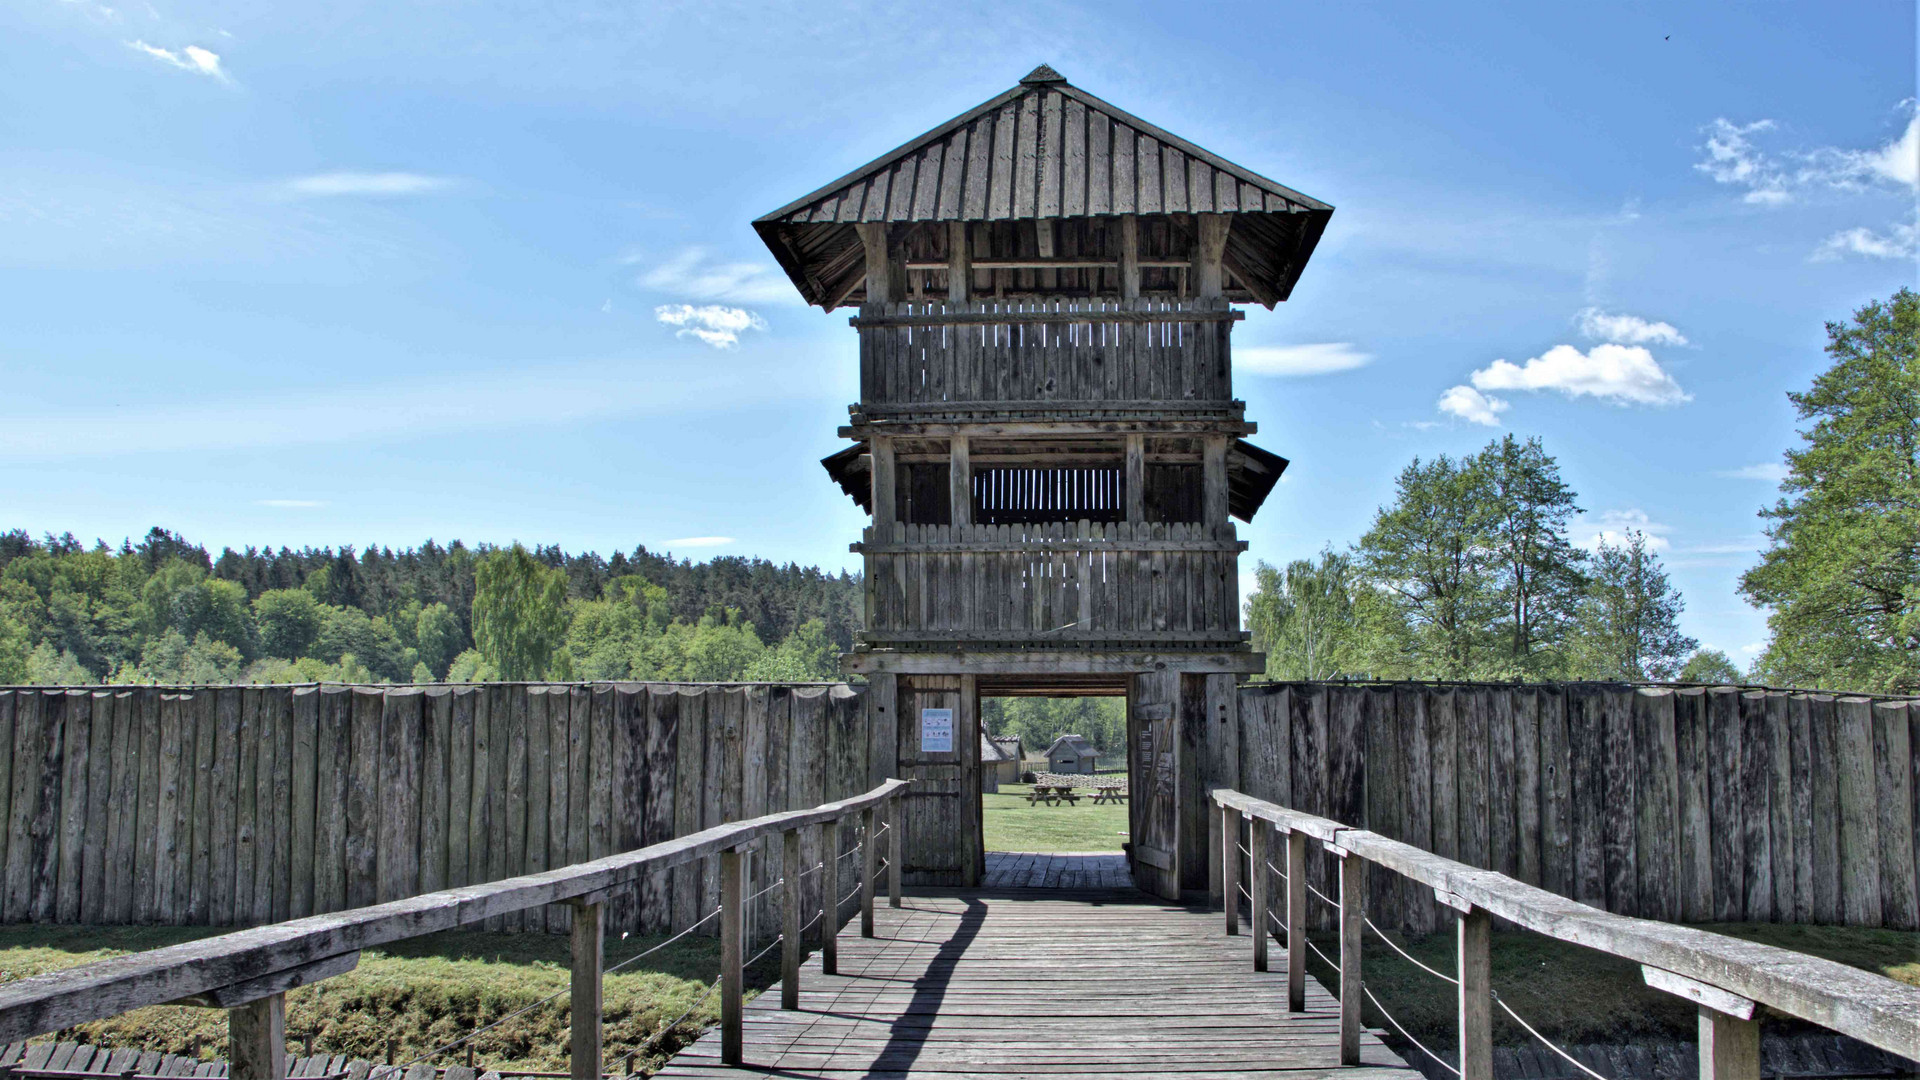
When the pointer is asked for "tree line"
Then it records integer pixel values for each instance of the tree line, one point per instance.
(1469, 572)
(165, 610)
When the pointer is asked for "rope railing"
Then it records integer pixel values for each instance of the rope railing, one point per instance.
(1727, 979)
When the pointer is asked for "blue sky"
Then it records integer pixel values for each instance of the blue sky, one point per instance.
(362, 273)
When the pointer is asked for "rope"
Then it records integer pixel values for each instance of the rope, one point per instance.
(1405, 955)
(1328, 960)
(1323, 896)
(851, 895)
(1277, 870)
(1244, 892)
(1403, 1031)
(660, 1032)
(853, 851)
(816, 868)
(1243, 849)
(778, 938)
(765, 891)
(1543, 1039)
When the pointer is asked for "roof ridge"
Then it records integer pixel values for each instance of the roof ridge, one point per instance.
(1043, 74)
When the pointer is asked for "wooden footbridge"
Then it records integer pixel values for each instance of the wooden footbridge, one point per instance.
(1005, 982)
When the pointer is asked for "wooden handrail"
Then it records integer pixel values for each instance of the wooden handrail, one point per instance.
(1719, 972)
(293, 951)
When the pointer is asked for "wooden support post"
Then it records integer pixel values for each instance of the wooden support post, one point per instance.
(1210, 246)
(1475, 967)
(791, 947)
(1729, 1046)
(1257, 881)
(870, 861)
(1129, 257)
(830, 897)
(896, 825)
(960, 479)
(257, 1039)
(1351, 869)
(959, 264)
(588, 938)
(1296, 921)
(1136, 493)
(1213, 479)
(1230, 867)
(880, 450)
(879, 255)
(732, 949)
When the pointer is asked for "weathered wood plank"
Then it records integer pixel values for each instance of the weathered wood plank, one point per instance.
(1657, 790)
(1893, 756)
(1756, 790)
(361, 861)
(1824, 782)
(1620, 793)
(302, 831)
(77, 732)
(1692, 761)
(1726, 802)
(96, 839)
(1859, 820)
(335, 757)
(246, 806)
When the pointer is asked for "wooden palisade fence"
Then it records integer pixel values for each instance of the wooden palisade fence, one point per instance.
(1726, 977)
(248, 972)
(1677, 804)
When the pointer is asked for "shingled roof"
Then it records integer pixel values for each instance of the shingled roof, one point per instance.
(1045, 149)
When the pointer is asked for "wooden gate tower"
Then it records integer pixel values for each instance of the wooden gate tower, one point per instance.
(1048, 441)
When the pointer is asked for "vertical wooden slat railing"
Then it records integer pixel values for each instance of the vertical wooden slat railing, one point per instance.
(1725, 977)
(249, 972)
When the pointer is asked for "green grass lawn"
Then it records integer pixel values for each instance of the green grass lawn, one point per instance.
(1014, 825)
(426, 992)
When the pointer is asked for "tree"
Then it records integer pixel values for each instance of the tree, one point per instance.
(1302, 617)
(288, 621)
(807, 655)
(1628, 624)
(438, 637)
(519, 613)
(1842, 575)
(1431, 556)
(1710, 666)
(1535, 570)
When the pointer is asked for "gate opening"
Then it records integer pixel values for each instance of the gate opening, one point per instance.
(1055, 798)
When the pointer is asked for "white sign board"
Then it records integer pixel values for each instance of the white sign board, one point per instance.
(936, 731)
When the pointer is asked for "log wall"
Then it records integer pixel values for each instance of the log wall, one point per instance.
(1688, 805)
(231, 806)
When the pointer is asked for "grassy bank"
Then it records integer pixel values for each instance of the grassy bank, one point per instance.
(1012, 824)
(424, 993)
(1576, 995)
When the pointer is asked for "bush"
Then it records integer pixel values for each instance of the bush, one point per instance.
(1026, 777)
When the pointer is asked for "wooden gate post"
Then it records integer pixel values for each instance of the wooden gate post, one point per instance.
(257, 1039)
(1352, 867)
(588, 941)
(791, 947)
(830, 897)
(1729, 1046)
(732, 930)
(1296, 921)
(1230, 867)
(869, 860)
(1475, 967)
(1258, 878)
(896, 825)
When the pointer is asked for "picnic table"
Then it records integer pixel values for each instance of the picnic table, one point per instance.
(1052, 794)
(1109, 794)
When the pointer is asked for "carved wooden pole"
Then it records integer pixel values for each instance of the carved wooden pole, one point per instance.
(588, 938)
(1230, 867)
(870, 862)
(896, 825)
(1729, 1046)
(257, 1039)
(1475, 966)
(1296, 921)
(830, 897)
(791, 947)
(1258, 878)
(1351, 869)
(732, 948)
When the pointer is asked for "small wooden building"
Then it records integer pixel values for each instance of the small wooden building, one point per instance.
(1072, 754)
(999, 761)
(1048, 441)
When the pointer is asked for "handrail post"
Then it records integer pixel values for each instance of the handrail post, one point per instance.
(895, 826)
(1296, 921)
(830, 897)
(732, 930)
(1729, 1046)
(257, 1039)
(1258, 877)
(870, 862)
(791, 945)
(1230, 867)
(1351, 868)
(1475, 968)
(588, 941)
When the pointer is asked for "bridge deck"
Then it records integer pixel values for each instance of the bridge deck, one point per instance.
(1027, 982)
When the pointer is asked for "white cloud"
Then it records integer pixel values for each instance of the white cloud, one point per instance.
(714, 324)
(1626, 329)
(1469, 404)
(693, 272)
(1773, 472)
(1612, 526)
(1622, 374)
(1316, 359)
(702, 541)
(365, 183)
(1754, 648)
(192, 58)
(289, 504)
(1900, 242)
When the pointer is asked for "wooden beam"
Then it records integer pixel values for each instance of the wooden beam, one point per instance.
(1230, 868)
(830, 898)
(896, 831)
(1703, 994)
(873, 238)
(880, 450)
(1129, 257)
(588, 940)
(733, 932)
(257, 1039)
(959, 264)
(1296, 921)
(960, 479)
(791, 947)
(1260, 878)
(1136, 479)
(1214, 486)
(1050, 662)
(1208, 249)
(1475, 967)
(279, 982)
(1068, 428)
(870, 867)
(1351, 869)
(1028, 318)
(1729, 1046)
